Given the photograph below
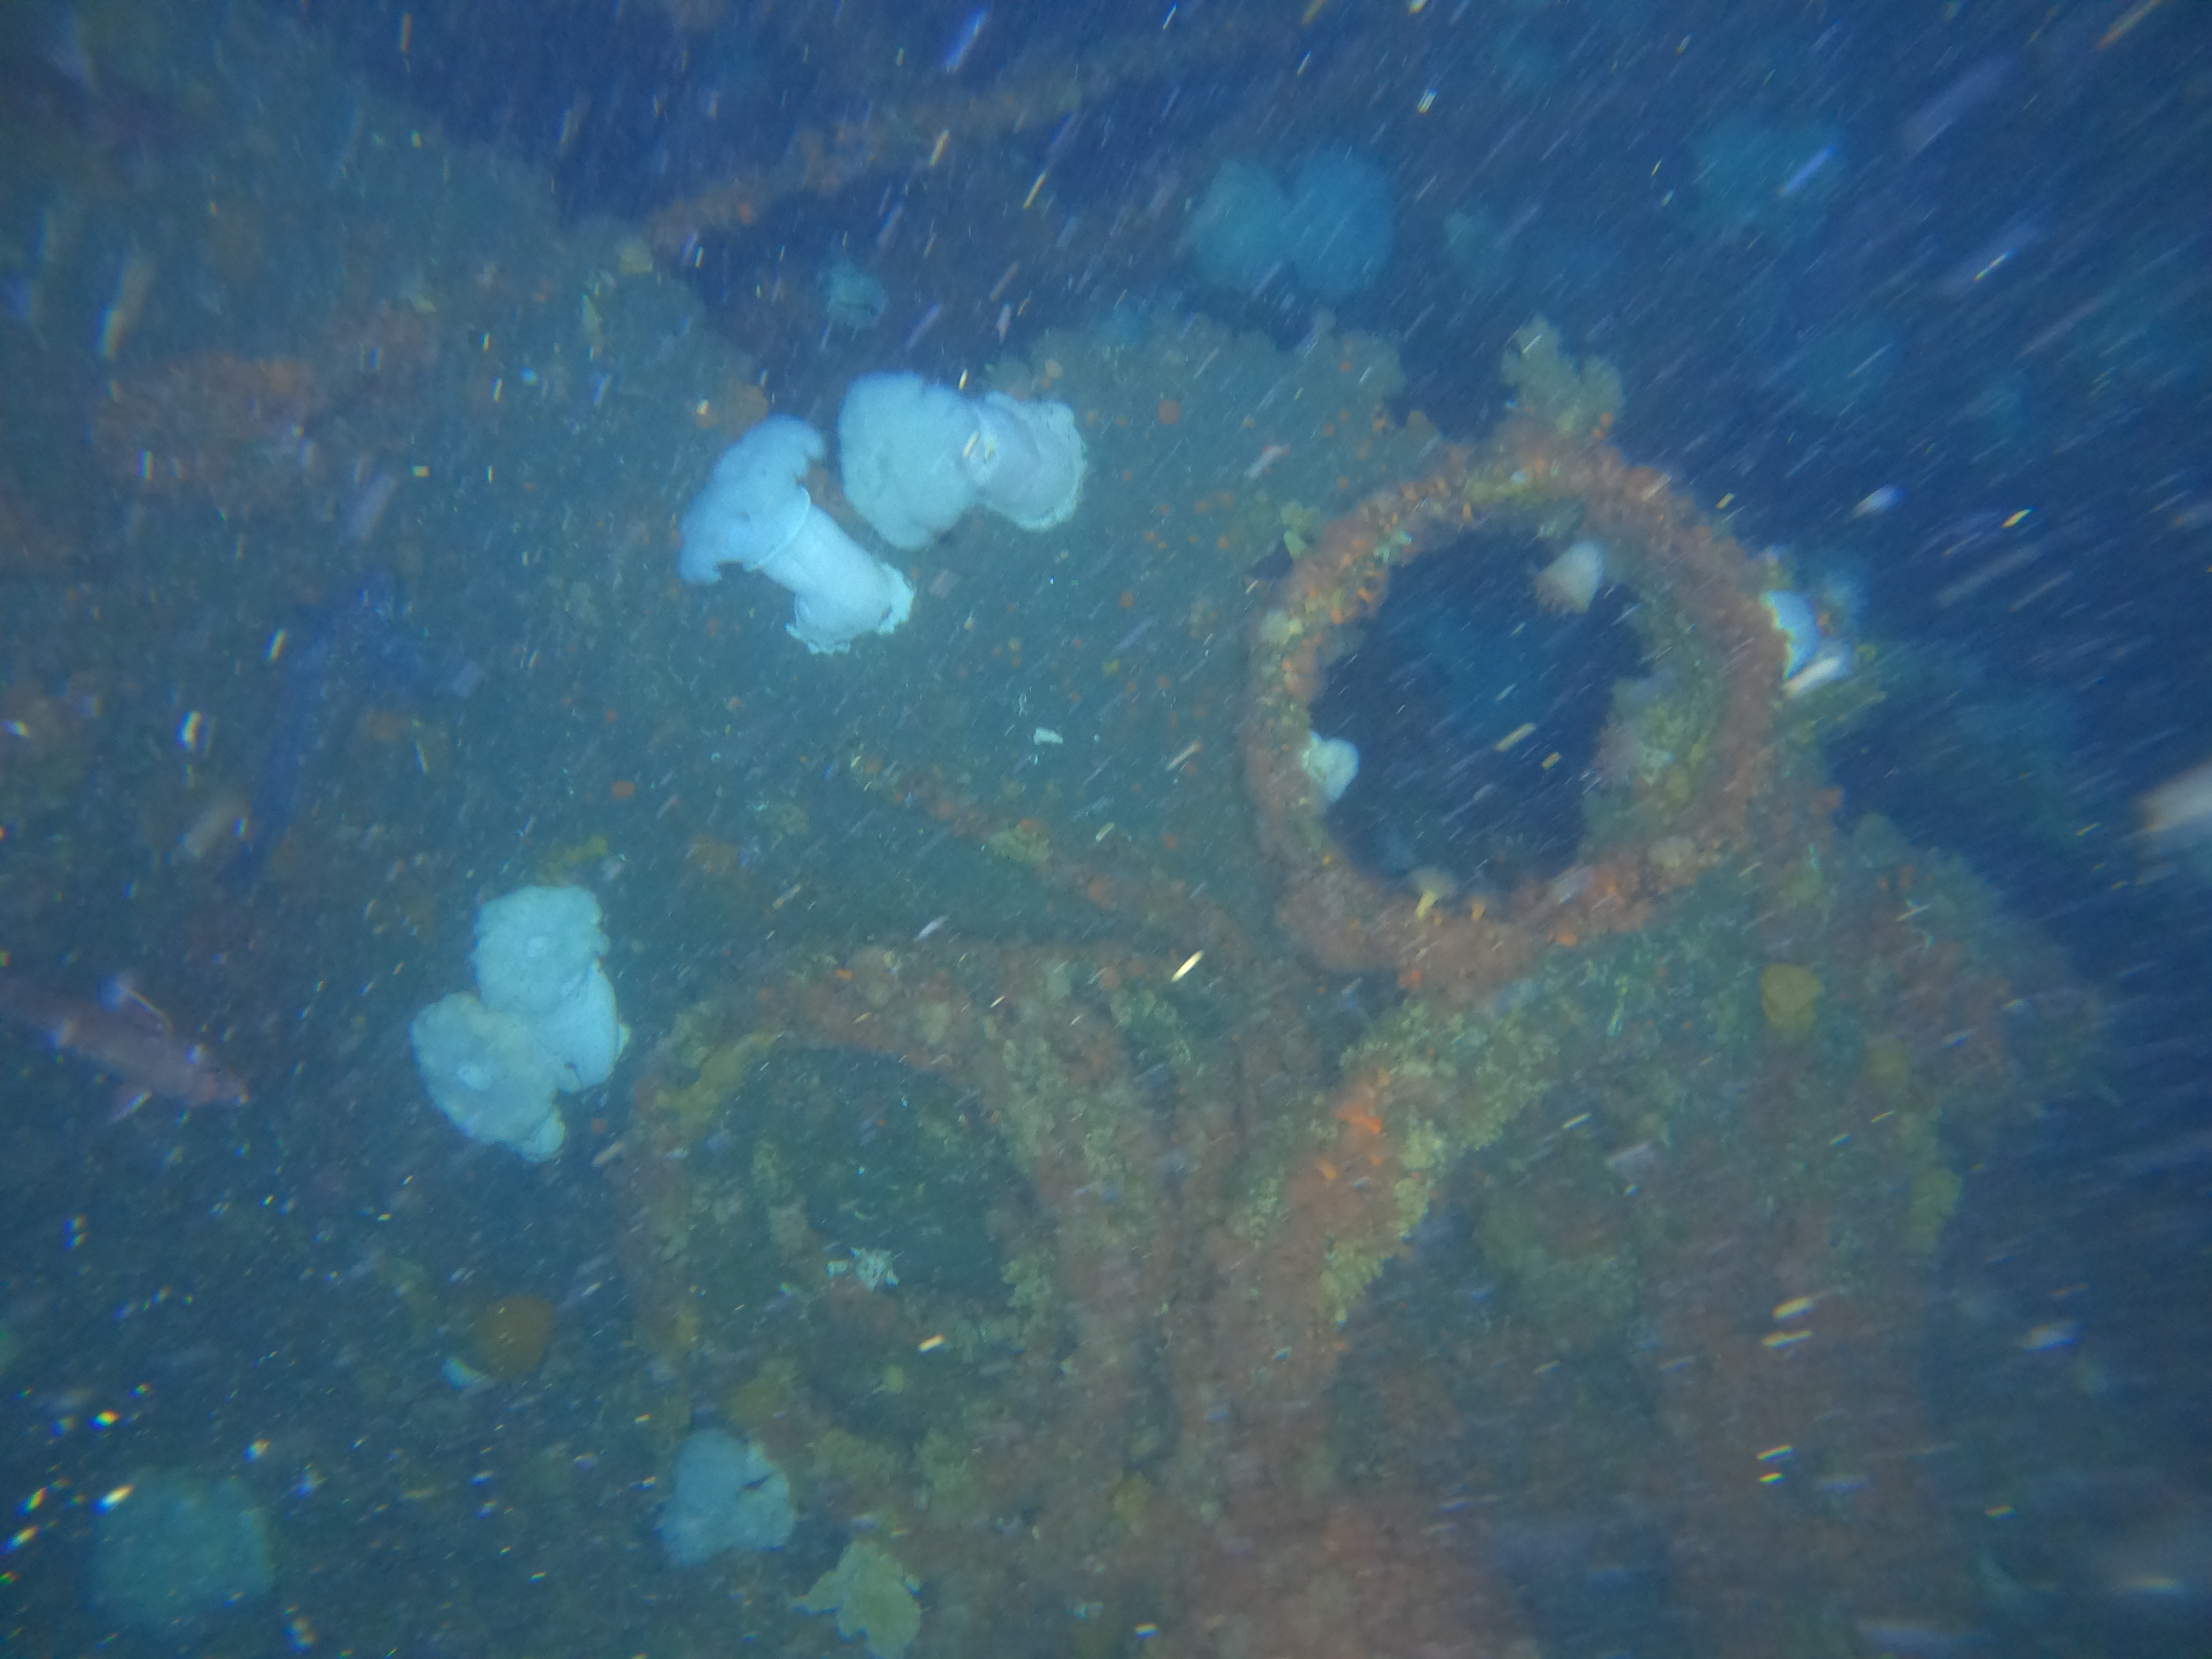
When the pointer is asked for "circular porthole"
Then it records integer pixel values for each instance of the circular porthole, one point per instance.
(1478, 712)
(1565, 684)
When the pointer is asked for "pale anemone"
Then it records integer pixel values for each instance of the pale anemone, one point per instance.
(727, 1495)
(543, 1022)
(1239, 236)
(1331, 763)
(914, 457)
(1570, 581)
(484, 1072)
(1028, 461)
(536, 946)
(900, 440)
(853, 298)
(755, 512)
(537, 959)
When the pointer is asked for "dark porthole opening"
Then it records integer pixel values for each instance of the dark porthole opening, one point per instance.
(1452, 793)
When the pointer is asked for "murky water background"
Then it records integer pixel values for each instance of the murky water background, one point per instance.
(1667, 1165)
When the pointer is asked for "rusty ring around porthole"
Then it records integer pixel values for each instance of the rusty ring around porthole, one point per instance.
(1698, 597)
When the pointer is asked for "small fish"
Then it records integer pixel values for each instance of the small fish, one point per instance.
(963, 40)
(930, 927)
(1269, 454)
(128, 1038)
(1876, 502)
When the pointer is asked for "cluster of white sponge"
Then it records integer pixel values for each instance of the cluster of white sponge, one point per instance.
(541, 1021)
(915, 458)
